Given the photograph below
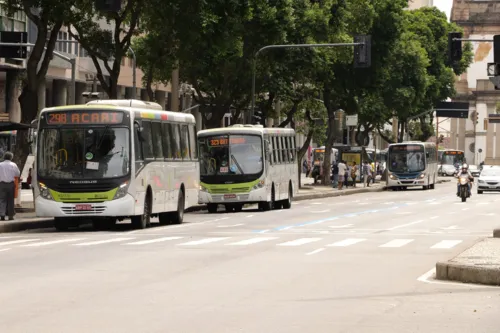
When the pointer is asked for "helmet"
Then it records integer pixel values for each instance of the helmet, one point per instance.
(465, 166)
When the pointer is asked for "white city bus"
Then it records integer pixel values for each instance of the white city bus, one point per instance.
(412, 163)
(109, 160)
(243, 164)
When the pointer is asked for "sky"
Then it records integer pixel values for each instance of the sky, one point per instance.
(444, 5)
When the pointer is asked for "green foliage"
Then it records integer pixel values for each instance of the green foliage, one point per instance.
(309, 110)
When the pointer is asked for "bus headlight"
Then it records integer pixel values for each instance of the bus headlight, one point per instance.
(122, 191)
(203, 188)
(421, 176)
(259, 185)
(44, 191)
(392, 176)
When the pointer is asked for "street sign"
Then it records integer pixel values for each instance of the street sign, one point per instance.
(452, 109)
(351, 120)
(494, 118)
(13, 52)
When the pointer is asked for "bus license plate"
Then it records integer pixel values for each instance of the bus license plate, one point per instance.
(83, 207)
(229, 196)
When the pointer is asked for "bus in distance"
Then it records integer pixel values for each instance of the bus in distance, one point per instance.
(243, 164)
(109, 160)
(450, 159)
(412, 163)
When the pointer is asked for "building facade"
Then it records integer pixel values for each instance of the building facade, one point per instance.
(480, 20)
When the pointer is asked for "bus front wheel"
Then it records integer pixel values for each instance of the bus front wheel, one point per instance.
(143, 221)
(212, 208)
(60, 224)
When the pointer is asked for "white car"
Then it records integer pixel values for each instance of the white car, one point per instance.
(474, 170)
(489, 180)
(447, 170)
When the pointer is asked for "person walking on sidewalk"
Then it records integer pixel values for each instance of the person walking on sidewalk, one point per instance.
(342, 171)
(8, 172)
(335, 174)
(366, 174)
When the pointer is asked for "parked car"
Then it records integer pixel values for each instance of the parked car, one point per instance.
(489, 180)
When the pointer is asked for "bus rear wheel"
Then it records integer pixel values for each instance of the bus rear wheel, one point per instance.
(178, 216)
(287, 203)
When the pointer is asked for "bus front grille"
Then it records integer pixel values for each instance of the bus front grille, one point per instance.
(83, 188)
(96, 210)
(230, 190)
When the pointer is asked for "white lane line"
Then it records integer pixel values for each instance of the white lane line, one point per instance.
(315, 251)
(405, 225)
(249, 216)
(55, 242)
(341, 226)
(1, 250)
(229, 226)
(300, 241)
(252, 241)
(397, 243)
(482, 203)
(404, 213)
(446, 244)
(434, 217)
(19, 241)
(263, 231)
(156, 240)
(204, 241)
(112, 240)
(320, 211)
(465, 208)
(348, 242)
(316, 203)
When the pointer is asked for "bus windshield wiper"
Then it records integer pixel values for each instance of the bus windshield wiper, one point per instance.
(237, 164)
(106, 129)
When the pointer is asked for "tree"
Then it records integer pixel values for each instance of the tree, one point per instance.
(48, 16)
(106, 46)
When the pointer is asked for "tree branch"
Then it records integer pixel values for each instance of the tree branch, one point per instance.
(290, 114)
(383, 136)
(100, 75)
(51, 44)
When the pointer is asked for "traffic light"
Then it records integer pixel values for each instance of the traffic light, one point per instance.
(496, 49)
(258, 118)
(441, 138)
(454, 48)
(108, 5)
(363, 53)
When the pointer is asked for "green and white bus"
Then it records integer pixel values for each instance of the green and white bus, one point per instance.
(243, 164)
(110, 160)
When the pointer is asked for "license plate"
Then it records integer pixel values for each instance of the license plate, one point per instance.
(83, 207)
(229, 196)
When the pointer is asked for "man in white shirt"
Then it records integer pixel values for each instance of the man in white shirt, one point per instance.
(8, 172)
(342, 169)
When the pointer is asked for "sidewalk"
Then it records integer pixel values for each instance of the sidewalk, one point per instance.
(478, 264)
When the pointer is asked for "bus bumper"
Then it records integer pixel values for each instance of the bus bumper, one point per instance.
(119, 207)
(248, 197)
(407, 182)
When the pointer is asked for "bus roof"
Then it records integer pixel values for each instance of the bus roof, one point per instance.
(140, 110)
(251, 129)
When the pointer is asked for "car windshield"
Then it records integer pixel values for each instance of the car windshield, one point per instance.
(490, 173)
(406, 158)
(230, 155)
(84, 153)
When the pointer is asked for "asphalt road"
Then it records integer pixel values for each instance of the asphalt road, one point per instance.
(359, 263)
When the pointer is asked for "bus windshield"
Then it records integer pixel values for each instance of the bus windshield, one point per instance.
(230, 155)
(84, 153)
(452, 157)
(406, 158)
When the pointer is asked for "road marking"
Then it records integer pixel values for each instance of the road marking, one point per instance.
(482, 203)
(434, 217)
(230, 226)
(465, 208)
(205, 241)
(1, 250)
(19, 241)
(253, 241)
(453, 227)
(351, 215)
(320, 211)
(388, 203)
(316, 203)
(397, 243)
(404, 213)
(348, 242)
(341, 226)
(446, 244)
(112, 240)
(404, 225)
(156, 240)
(262, 231)
(55, 242)
(488, 214)
(300, 241)
(249, 216)
(315, 251)
(426, 278)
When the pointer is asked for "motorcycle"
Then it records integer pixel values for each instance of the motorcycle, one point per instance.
(463, 181)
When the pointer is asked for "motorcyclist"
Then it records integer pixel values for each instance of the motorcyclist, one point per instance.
(464, 171)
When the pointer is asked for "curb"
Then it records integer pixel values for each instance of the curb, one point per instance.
(468, 273)
(496, 233)
(27, 224)
(337, 193)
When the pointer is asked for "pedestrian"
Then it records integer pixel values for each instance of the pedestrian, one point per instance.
(342, 170)
(8, 172)
(335, 174)
(366, 174)
(354, 173)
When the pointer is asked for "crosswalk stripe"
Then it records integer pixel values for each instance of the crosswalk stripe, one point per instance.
(446, 244)
(156, 240)
(253, 241)
(19, 241)
(300, 241)
(54, 242)
(397, 243)
(1, 250)
(205, 241)
(112, 240)
(348, 242)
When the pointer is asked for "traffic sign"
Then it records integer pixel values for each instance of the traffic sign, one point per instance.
(494, 118)
(452, 109)
(13, 52)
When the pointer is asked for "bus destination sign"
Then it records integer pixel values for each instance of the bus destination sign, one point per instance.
(453, 152)
(84, 118)
(407, 148)
(224, 141)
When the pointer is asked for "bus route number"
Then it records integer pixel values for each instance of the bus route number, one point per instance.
(226, 141)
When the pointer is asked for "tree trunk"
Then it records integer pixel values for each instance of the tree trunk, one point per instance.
(149, 82)
(302, 151)
(216, 118)
(29, 109)
(328, 148)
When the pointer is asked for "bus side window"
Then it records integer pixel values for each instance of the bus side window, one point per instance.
(184, 141)
(157, 139)
(273, 144)
(165, 139)
(175, 139)
(284, 149)
(193, 144)
(147, 144)
(137, 144)
(291, 144)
